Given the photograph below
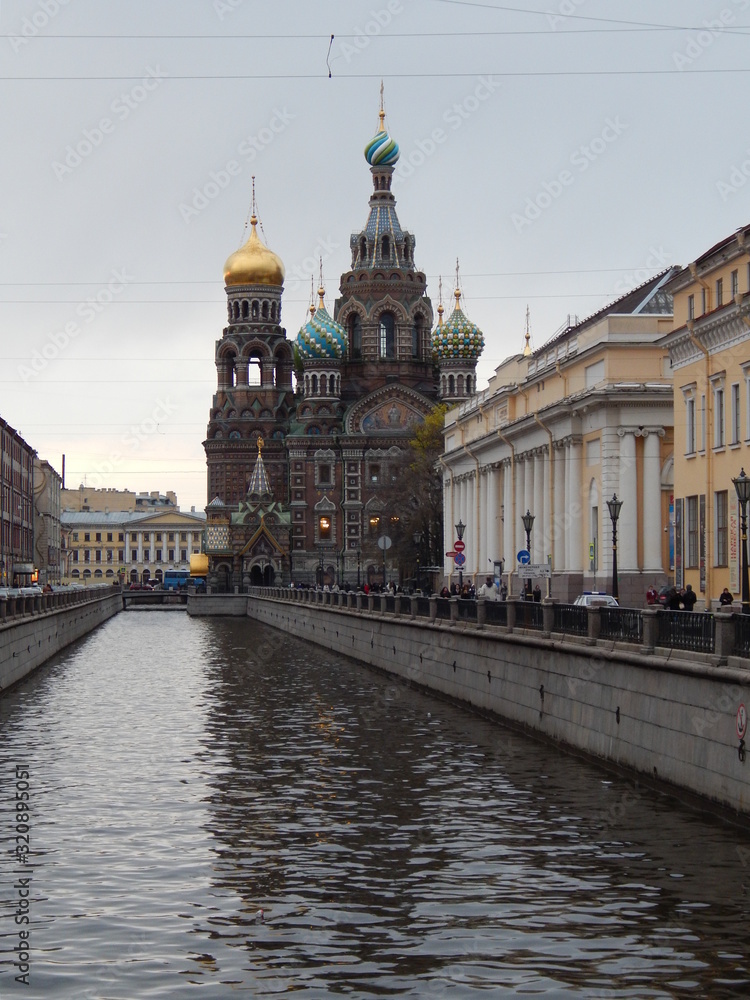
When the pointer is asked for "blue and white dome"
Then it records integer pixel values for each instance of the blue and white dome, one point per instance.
(321, 338)
(381, 150)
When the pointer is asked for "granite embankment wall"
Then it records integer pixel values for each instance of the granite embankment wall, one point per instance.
(39, 627)
(668, 715)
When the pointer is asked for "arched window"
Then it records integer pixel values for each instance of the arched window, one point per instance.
(386, 248)
(255, 309)
(416, 337)
(265, 309)
(451, 386)
(355, 336)
(387, 336)
(323, 385)
(468, 385)
(245, 308)
(315, 385)
(460, 385)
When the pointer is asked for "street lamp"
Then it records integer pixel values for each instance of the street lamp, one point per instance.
(417, 542)
(528, 523)
(320, 568)
(359, 566)
(614, 512)
(742, 485)
(460, 529)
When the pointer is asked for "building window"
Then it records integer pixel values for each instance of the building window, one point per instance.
(735, 283)
(98, 536)
(722, 536)
(133, 538)
(324, 528)
(719, 292)
(158, 555)
(75, 555)
(134, 557)
(158, 536)
(692, 533)
(374, 526)
(86, 555)
(183, 555)
(87, 537)
(75, 533)
(690, 426)
(387, 336)
(735, 413)
(183, 536)
(110, 555)
(170, 536)
(109, 536)
(121, 555)
(374, 473)
(691, 307)
(719, 425)
(703, 423)
(416, 337)
(704, 301)
(170, 555)
(121, 537)
(146, 555)
(324, 475)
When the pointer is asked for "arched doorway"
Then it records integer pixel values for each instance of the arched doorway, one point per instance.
(262, 576)
(222, 579)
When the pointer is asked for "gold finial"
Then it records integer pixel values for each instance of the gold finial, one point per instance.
(527, 348)
(312, 296)
(440, 301)
(381, 127)
(261, 442)
(321, 290)
(457, 292)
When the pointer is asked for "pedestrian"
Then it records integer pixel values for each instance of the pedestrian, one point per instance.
(689, 597)
(503, 591)
(488, 590)
(725, 598)
(537, 594)
(673, 600)
(652, 595)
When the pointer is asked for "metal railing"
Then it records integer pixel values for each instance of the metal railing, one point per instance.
(624, 624)
(687, 630)
(571, 619)
(423, 607)
(496, 613)
(743, 635)
(444, 608)
(529, 615)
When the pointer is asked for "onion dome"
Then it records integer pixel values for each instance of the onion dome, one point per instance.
(458, 337)
(253, 263)
(321, 338)
(381, 150)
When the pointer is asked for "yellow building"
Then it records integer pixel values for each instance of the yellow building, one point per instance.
(133, 546)
(560, 431)
(710, 352)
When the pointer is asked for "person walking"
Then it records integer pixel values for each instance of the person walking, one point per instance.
(689, 597)
(725, 598)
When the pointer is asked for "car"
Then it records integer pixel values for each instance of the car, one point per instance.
(33, 590)
(595, 599)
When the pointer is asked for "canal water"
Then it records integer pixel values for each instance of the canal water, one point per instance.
(186, 774)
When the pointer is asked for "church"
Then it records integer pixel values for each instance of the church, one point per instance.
(305, 433)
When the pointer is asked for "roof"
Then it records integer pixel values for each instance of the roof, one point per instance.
(649, 298)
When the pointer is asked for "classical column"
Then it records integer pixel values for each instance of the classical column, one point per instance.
(651, 501)
(539, 535)
(627, 525)
(574, 506)
(560, 510)
(528, 492)
(520, 538)
(508, 553)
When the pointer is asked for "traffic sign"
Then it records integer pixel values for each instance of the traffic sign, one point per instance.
(459, 559)
(524, 556)
(458, 545)
(451, 554)
(741, 722)
(384, 543)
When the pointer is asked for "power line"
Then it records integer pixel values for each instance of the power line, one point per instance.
(394, 76)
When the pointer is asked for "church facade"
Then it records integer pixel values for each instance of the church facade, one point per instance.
(304, 435)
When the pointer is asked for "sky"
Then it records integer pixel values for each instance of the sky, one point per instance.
(563, 151)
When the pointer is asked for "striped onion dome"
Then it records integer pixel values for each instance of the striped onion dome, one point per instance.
(381, 150)
(321, 338)
(458, 337)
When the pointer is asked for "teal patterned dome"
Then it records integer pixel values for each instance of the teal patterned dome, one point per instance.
(458, 337)
(381, 150)
(321, 338)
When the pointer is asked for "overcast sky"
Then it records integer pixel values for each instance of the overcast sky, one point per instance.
(562, 150)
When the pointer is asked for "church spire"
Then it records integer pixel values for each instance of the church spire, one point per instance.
(259, 486)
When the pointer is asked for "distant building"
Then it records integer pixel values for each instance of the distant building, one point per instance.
(16, 507)
(134, 546)
(47, 524)
(558, 432)
(85, 498)
(709, 349)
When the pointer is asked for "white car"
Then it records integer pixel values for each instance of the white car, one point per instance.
(593, 599)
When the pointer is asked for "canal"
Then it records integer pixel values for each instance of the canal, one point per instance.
(185, 774)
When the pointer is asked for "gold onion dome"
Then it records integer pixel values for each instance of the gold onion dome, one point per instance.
(254, 263)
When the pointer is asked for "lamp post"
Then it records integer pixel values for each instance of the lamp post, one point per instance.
(528, 523)
(742, 485)
(359, 566)
(417, 542)
(460, 529)
(614, 512)
(320, 568)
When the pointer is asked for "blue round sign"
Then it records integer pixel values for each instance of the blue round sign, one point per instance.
(524, 557)
(459, 559)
